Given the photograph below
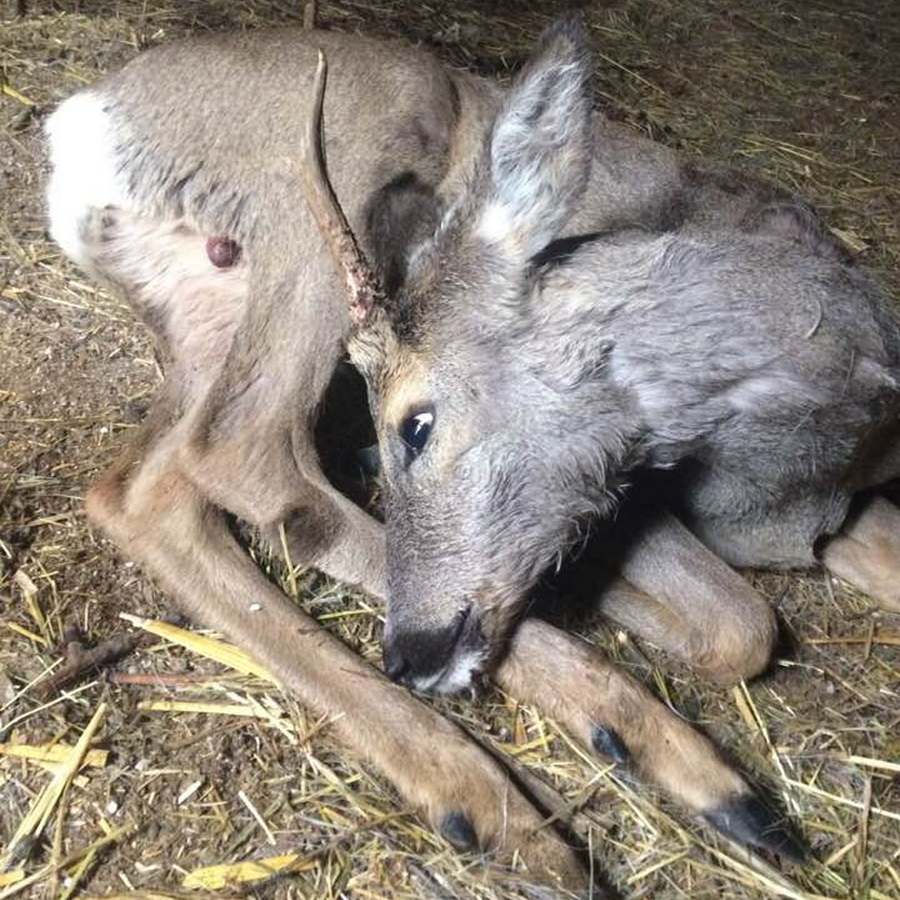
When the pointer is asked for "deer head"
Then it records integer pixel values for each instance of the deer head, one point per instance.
(489, 457)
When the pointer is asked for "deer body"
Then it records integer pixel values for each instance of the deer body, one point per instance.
(766, 368)
(611, 332)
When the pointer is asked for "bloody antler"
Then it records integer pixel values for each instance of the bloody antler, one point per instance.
(363, 284)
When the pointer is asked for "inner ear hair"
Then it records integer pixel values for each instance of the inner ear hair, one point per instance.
(539, 147)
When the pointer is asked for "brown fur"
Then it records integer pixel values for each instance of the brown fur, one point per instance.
(249, 352)
(589, 692)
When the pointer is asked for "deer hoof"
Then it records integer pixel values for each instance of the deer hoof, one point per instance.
(457, 830)
(608, 743)
(747, 820)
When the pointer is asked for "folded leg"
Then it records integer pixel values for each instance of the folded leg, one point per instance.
(867, 552)
(231, 432)
(615, 715)
(677, 594)
(157, 516)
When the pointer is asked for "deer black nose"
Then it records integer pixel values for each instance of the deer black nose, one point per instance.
(412, 654)
(395, 665)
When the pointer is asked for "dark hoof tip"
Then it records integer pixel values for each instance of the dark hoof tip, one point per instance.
(457, 830)
(608, 742)
(749, 821)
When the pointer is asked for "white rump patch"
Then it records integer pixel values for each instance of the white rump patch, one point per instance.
(495, 224)
(84, 176)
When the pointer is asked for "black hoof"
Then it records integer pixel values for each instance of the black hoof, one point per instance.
(607, 742)
(747, 820)
(457, 830)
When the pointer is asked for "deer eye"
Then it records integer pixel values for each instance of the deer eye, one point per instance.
(415, 431)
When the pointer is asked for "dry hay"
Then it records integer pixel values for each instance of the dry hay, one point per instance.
(209, 765)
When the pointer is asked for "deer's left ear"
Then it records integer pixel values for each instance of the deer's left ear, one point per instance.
(539, 149)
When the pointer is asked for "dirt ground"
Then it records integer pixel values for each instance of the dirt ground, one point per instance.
(806, 93)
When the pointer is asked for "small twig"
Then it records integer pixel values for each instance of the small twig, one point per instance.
(161, 679)
(52, 796)
(889, 639)
(68, 860)
(56, 853)
(260, 820)
(863, 829)
(212, 731)
(303, 862)
(79, 661)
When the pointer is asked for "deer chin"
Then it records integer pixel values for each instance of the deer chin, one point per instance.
(464, 674)
(468, 669)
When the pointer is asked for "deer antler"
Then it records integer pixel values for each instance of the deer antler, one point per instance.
(363, 284)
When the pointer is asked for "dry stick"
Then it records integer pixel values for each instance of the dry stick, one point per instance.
(222, 652)
(77, 873)
(31, 827)
(162, 679)
(212, 731)
(6, 727)
(300, 864)
(889, 639)
(67, 861)
(36, 680)
(56, 853)
(80, 661)
(863, 830)
(264, 872)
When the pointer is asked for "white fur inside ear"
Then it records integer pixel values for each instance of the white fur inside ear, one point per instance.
(495, 224)
(540, 153)
(82, 139)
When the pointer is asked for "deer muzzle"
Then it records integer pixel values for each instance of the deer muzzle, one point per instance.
(447, 659)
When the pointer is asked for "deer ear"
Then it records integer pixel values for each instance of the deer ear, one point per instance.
(399, 216)
(539, 149)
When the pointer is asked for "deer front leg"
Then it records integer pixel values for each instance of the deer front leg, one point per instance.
(335, 536)
(615, 715)
(867, 552)
(604, 708)
(159, 519)
(678, 595)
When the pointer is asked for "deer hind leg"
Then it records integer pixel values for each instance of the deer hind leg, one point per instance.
(867, 552)
(678, 595)
(612, 714)
(159, 518)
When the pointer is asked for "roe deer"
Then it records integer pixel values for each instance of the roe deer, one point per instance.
(189, 202)
(519, 377)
